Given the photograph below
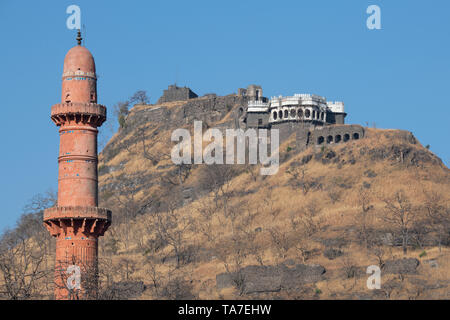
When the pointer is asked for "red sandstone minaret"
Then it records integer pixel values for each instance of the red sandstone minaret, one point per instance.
(76, 221)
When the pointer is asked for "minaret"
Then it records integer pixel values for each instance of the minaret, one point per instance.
(77, 221)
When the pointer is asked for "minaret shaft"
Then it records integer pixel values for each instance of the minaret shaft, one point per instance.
(76, 221)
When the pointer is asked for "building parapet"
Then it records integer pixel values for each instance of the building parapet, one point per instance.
(336, 106)
(258, 106)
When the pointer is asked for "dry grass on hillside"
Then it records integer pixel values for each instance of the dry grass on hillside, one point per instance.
(267, 220)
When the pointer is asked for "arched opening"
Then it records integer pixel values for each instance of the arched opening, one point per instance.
(300, 113)
(329, 139)
(280, 114)
(292, 113)
(320, 140)
(307, 113)
(322, 116)
(275, 115)
(346, 137)
(337, 138)
(286, 113)
(355, 136)
(314, 114)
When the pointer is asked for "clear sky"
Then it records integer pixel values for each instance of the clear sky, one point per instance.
(396, 77)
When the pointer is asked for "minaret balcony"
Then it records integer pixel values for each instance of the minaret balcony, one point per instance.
(87, 220)
(78, 112)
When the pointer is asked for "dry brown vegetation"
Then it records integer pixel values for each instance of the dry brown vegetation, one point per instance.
(343, 207)
(237, 218)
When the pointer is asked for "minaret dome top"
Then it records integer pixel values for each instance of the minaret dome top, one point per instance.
(79, 59)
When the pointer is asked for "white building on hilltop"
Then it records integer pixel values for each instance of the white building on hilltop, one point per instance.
(306, 108)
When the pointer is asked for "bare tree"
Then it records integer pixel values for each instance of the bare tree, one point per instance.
(178, 176)
(300, 178)
(25, 252)
(233, 258)
(140, 97)
(20, 266)
(127, 266)
(401, 215)
(269, 205)
(438, 215)
(302, 245)
(309, 218)
(379, 252)
(218, 180)
(40, 202)
(155, 137)
(172, 228)
(281, 241)
(363, 217)
(120, 111)
(205, 223)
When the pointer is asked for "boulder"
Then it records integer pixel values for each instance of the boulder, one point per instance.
(401, 266)
(257, 279)
(124, 290)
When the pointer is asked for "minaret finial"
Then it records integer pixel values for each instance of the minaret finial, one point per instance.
(79, 38)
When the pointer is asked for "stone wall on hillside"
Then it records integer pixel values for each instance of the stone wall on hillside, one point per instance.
(337, 134)
(327, 135)
(211, 110)
(208, 109)
(174, 93)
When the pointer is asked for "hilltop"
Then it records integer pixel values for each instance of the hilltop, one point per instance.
(309, 231)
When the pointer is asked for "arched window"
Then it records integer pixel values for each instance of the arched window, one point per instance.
(68, 99)
(356, 136)
(307, 113)
(275, 115)
(320, 140)
(314, 114)
(337, 138)
(286, 113)
(346, 137)
(329, 139)
(292, 113)
(280, 114)
(300, 113)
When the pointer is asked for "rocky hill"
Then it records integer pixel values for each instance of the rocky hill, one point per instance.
(308, 232)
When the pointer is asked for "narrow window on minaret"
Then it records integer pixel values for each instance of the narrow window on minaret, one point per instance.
(68, 98)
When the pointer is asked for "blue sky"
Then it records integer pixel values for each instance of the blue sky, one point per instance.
(396, 77)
